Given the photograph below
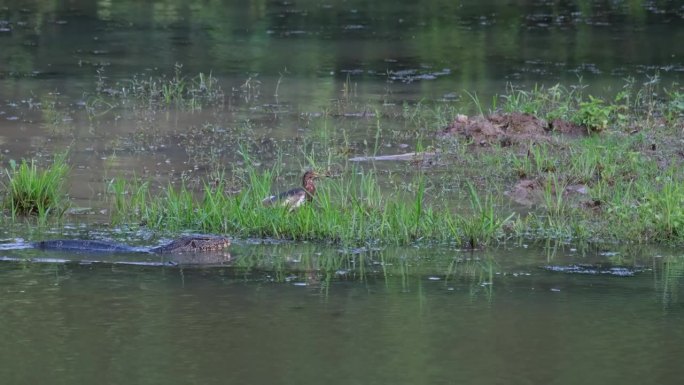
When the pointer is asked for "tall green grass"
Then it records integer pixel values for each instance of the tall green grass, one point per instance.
(348, 210)
(32, 191)
(652, 210)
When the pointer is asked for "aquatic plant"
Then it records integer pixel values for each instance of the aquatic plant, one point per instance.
(483, 224)
(30, 190)
(128, 197)
(154, 92)
(178, 91)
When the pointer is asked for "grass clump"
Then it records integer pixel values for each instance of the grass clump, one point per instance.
(653, 211)
(595, 114)
(155, 92)
(350, 210)
(179, 90)
(629, 106)
(563, 103)
(30, 190)
(483, 223)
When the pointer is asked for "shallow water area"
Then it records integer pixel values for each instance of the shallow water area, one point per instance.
(296, 76)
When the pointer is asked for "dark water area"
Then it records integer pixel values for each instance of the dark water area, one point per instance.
(312, 313)
(402, 50)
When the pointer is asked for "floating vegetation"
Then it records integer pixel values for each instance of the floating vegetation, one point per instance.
(179, 91)
(617, 271)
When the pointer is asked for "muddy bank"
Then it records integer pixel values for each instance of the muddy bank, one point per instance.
(509, 129)
(529, 192)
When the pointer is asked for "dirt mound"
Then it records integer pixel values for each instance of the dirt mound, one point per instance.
(508, 129)
(568, 128)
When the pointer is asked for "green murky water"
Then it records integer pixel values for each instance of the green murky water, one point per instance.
(303, 313)
(287, 314)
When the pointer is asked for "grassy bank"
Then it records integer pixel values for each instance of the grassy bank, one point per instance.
(614, 175)
(617, 178)
(349, 209)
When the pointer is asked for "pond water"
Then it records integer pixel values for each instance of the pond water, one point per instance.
(302, 313)
(301, 76)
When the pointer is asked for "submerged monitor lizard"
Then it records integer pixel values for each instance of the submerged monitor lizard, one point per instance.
(186, 244)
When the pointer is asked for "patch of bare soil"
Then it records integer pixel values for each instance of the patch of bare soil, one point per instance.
(568, 128)
(508, 129)
(526, 192)
(529, 192)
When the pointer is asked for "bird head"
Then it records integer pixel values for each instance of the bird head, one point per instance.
(310, 175)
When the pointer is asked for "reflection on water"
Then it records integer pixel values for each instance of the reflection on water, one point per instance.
(477, 44)
(269, 319)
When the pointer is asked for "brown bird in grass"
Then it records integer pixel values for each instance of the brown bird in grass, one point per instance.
(297, 196)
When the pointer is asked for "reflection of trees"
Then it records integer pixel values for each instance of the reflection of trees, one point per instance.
(305, 37)
(668, 275)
